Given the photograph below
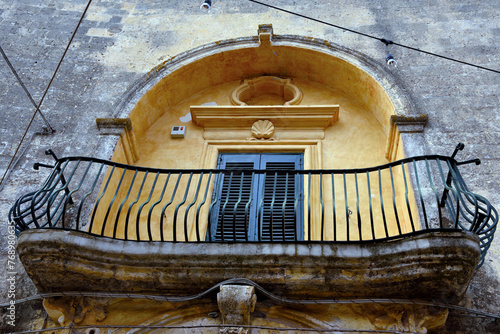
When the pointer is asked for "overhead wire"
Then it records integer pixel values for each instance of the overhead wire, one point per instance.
(271, 296)
(383, 40)
(46, 90)
(25, 89)
(44, 132)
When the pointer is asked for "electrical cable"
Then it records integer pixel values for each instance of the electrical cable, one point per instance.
(25, 89)
(46, 90)
(245, 281)
(374, 37)
(44, 132)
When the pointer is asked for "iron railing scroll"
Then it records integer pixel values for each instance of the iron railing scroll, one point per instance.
(395, 200)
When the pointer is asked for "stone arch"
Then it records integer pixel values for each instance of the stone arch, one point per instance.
(286, 56)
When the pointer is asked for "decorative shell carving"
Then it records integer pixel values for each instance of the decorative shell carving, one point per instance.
(263, 129)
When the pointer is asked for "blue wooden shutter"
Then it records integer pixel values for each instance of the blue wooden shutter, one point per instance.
(280, 213)
(264, 207)
(237, 198)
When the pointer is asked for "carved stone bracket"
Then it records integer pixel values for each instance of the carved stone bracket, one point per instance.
(73, 310)
(402, 317)
(236, 302)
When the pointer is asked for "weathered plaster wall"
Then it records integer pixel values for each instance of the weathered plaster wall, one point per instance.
(119, 42)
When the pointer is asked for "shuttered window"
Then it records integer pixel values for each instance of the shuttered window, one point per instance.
(256, 206)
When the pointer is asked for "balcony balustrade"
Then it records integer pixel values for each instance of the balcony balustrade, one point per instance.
(393, 201)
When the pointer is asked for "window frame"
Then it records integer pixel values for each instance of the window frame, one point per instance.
(258, 198)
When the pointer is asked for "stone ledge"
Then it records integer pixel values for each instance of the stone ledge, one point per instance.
(430, 265)
(244, 116)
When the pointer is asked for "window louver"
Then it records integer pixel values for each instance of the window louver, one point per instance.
(264, 207)
(234, 206)
(279, 203)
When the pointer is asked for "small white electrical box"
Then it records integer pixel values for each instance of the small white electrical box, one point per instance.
(178, 131)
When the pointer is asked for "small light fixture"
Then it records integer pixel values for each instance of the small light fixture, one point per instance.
(206, 6)
(389, 58)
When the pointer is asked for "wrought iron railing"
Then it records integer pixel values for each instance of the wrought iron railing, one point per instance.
(395, 200)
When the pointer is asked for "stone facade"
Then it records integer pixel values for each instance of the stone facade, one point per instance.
(120, 42)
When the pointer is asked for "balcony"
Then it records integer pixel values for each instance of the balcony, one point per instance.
(99, 225)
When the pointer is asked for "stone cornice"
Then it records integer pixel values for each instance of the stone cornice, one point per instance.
(244, 116)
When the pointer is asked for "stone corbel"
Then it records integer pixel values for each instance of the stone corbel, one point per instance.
(120, 127)
(402, 124)
(236, 302)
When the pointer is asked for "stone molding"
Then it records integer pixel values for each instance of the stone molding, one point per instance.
(430, 265)
(409, 124)
(402, 124)
(266, 84)
(291, 122)
(120, 127)
(265, 33)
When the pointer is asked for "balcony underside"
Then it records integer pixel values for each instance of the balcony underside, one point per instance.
(429, 265)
